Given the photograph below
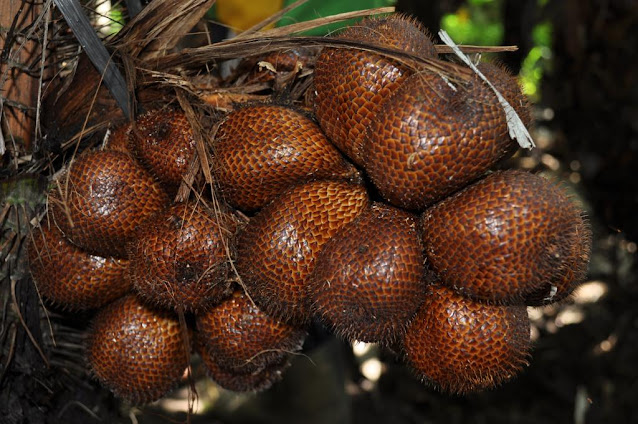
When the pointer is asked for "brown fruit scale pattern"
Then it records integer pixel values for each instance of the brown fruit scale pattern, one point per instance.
(368, 279)
(179, 259)
(351, 84)
(256, 380)
(464, 346)
(508, 238)
(262, 150)
(430, 140)
(163, 141)
(278, 247)
(136, 351)
(243, 338)
(386, 122)
(107, 195)
(72, 278)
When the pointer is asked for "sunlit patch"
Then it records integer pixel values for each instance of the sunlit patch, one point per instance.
(550, 161)
(606, 345)
(590, 292)
(570, 315)
(360, 348)
(372, 369)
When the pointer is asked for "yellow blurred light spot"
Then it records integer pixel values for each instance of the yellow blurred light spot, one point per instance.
(243, 14)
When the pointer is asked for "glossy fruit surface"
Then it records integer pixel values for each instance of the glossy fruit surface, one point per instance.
(136, 351)
(508, 86)
(71, 277)
(262, 150)
(368, 279)
(180, 258)
(163, 140)
(240, 336)
(278, 247)
(351, 84)
(103, 199)
(513, 237)
(462, 346)
(431, 140)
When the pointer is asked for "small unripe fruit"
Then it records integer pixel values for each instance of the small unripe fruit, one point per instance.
(462, 346)
(136, 351)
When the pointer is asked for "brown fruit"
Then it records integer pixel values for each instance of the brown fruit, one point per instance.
(235, 380)
(163, 141)
(368, 279)
(120, 139)
(513, 237)
(102, 200)
(262, 150)
(351, 84)
(464, 346)
(278, 247)
(240, 336)
(136, 351)
(508, 86)
(180, 258)
(430, 140)
(70, 277)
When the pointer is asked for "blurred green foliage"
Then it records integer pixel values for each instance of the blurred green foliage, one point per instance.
(480, 22)
(477, 22)
(537, 61)
(314, 9)
(116, 15)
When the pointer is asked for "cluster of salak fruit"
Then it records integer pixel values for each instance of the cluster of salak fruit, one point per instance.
(381, 218)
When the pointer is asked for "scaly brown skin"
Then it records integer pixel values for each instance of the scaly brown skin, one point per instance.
(511, 238)
(262, 150)
(239, 380)
(180, 258)
(462, 346)
(508, 86)
(103, 199)
(429, 140)
(70, 277)
(351, 84)
(278, 247)
(368, 279)
(120, 139)
(163, 141)
(242, 337)
(136, 351)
